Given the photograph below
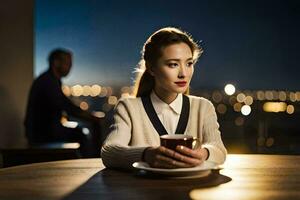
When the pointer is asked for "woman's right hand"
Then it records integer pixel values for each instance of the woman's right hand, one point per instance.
(162, 157)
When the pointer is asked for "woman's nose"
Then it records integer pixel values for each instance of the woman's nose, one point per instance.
(182, 72)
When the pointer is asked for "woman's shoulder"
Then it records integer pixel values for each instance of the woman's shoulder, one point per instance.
(199, 100)
(201, 103)
(129, 100)
(128, 104)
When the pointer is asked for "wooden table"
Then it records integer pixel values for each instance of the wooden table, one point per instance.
(243, 177)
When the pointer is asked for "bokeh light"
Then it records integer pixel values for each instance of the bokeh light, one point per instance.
(109, 91)
(232, 100)
(125, 89)
(269, 95)
(290, 109)
(292, 97)
(260, 95)
(298, 96)
(239, 121)
(241, 97)
(246, 110)
(237, 107)
(77, 90)
(66, 90)
(274, 106)
(217, 96)
(103, 92)
(229, 89)
(95, 90)
(84, 105)
(112, 100)
(261, 141)
(125, 95)
(275, 95)
(221, 108)
(98, 114)
(282, 96)
(86, 90)
(270, 141)
(248, 100)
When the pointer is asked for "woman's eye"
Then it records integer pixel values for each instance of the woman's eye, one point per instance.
(190, 64)
(172, 65)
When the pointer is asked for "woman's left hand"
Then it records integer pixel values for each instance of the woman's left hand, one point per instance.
(200, 154)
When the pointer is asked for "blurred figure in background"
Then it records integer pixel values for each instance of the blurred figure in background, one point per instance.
(46, 104)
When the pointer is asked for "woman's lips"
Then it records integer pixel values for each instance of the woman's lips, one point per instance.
(181, 83)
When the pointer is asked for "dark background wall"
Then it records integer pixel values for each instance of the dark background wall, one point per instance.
(16, 68)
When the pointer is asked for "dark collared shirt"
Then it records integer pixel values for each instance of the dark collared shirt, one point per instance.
(46, 103)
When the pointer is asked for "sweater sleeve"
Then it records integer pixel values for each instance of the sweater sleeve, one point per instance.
(116, 151)
(212, 137)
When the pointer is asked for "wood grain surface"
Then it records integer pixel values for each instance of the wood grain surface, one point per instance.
(243, 177)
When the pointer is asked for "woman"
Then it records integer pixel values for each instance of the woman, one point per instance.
(162, 106)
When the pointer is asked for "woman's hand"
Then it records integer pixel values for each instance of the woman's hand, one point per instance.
(200, 153)
(184, 157)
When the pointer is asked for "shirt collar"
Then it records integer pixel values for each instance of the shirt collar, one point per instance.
(160, 105)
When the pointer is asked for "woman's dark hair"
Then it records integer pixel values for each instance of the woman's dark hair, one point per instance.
(152, 51)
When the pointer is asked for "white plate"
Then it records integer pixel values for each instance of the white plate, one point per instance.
(194, 172)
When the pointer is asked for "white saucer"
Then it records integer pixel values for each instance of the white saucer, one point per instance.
(194, 172)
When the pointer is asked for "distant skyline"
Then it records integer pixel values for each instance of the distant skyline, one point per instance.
(252, 44)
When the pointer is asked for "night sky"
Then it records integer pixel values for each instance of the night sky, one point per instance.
(252, 44)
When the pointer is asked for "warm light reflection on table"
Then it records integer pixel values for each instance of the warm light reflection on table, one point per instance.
(256, 177)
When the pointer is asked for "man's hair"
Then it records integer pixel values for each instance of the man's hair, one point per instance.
(58, 54)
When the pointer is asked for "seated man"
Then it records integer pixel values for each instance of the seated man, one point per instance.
(46, 103)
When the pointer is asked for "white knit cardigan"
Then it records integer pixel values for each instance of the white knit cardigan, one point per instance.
(133, 131)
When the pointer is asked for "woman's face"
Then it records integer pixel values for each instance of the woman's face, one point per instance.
(174, 70)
